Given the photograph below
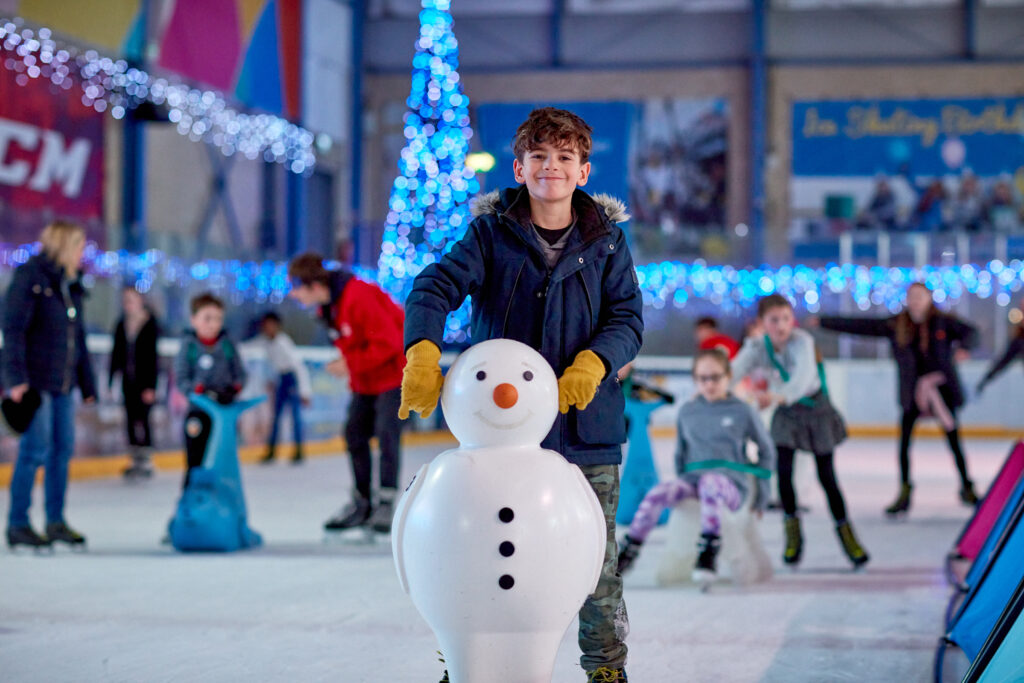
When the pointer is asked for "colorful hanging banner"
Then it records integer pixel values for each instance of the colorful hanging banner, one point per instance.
(51, 157)
(250, 48)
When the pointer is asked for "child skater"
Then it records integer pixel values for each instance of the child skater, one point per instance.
(548, 265)
(1013, 351)
(713, 430)
(804, 419)
(923, 342)
(208, 363)
(292, 388)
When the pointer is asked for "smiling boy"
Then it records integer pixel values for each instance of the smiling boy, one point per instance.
(546, 264)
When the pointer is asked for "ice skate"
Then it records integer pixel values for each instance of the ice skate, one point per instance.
(901, 506)
(607, 675)
(380, 518)
(794, 542)
(25, 537)
(140, 467)
(967, 494)
(704, 571)
(350, 524)
(61, 532)
(851, 546)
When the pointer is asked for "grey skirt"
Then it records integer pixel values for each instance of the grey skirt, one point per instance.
(817, 427)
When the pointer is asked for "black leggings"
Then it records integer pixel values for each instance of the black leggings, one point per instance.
(369, 415)
(952, 436)
(826, 475)
(136, 415)
(197, 433)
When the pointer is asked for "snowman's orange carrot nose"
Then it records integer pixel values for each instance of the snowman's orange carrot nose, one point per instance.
(505, 395)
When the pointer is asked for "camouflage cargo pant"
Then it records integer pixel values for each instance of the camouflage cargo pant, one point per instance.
(604, 623)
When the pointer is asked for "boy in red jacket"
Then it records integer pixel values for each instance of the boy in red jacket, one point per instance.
(366, 326)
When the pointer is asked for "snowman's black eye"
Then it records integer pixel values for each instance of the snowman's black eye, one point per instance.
(527, 375)
(481, 375)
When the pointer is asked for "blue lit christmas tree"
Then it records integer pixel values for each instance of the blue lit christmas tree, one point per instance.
(428, 209)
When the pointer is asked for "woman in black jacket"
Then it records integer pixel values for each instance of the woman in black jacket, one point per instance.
(923, 341)
(135, 358)
(44, 352)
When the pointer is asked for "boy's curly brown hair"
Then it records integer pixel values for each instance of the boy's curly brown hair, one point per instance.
(557, 127)
(308, 268)
(203, 300)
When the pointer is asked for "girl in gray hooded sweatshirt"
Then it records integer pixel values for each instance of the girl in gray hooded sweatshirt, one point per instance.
(711, 461)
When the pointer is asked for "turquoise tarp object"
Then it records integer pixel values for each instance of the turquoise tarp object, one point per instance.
(1002, 657)
(985, 555)
(211, 514)
(638, 474)
(987, 599)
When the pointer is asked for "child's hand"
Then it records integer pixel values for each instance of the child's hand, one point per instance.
(179, 402)
(337, 368)
(579, 382)
(422, 379)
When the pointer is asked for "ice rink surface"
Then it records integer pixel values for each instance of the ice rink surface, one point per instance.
(300, 609)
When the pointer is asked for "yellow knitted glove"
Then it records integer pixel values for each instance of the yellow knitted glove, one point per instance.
(421, 379)
(578, 383)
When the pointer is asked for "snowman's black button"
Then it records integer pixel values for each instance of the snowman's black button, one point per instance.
(506, 549)
(506, 515)
(506, 581)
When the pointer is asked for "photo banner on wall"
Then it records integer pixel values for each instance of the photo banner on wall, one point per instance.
(51, 159)
(666, 158)
(930, 164)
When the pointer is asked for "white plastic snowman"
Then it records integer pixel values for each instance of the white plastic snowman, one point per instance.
(499, 541)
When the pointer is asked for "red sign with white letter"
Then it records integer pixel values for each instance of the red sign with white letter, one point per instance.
(51, 158)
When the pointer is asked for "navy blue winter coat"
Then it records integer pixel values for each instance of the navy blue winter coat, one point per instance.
(44, 333)
(589, 300)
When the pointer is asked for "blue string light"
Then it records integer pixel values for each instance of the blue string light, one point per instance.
(677, 284)
(663, 285)
(428, 208)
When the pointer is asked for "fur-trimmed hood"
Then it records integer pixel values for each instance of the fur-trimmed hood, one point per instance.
(491, 203)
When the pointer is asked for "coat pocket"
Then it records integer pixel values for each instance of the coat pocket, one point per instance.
(603, 421)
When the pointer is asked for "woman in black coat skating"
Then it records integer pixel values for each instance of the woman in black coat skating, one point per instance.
(923, 342)
(135, 358)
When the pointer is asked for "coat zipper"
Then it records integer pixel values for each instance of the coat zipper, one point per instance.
(590, 304)
(511, 295)
(71, 340)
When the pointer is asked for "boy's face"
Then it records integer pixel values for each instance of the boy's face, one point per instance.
(703, 332)
(208, 321)
(778, 324)
(313, 294)
(550, 173)
(270, 328)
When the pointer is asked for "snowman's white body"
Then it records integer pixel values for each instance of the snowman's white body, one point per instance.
(499, 545)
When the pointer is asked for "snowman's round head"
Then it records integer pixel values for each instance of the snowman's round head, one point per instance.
(500, 393)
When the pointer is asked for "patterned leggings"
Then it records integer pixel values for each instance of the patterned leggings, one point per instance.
(714, 490)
